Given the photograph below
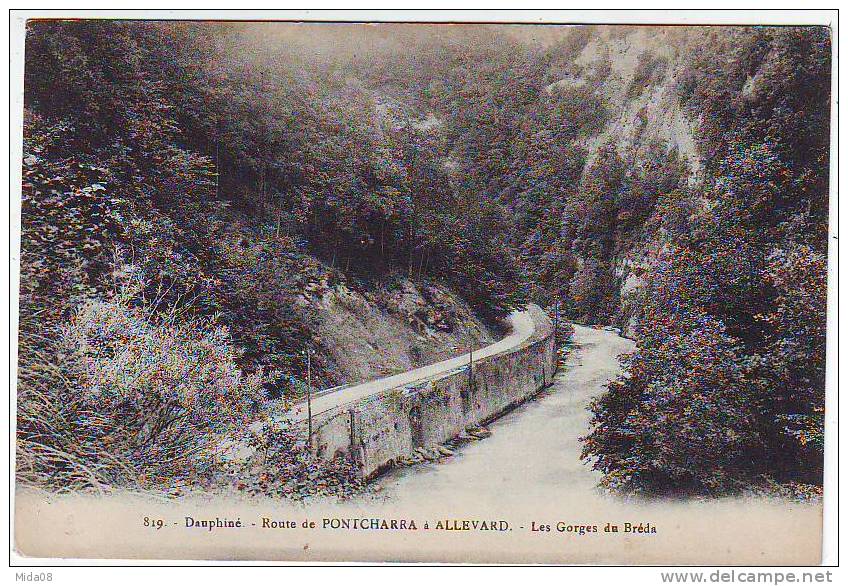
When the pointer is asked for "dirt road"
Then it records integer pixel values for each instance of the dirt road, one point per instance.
(534, 452)
(529, 472)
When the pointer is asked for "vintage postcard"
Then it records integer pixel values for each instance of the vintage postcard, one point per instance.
(445, 292)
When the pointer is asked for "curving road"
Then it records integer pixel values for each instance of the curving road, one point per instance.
(534, 452)
(529, 473)
(521, 329)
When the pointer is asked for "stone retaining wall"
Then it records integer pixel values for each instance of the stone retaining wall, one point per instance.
(390, 425)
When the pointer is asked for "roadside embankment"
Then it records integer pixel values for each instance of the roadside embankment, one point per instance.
(382, 428)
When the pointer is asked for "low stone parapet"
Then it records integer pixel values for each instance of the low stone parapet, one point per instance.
(389, 426)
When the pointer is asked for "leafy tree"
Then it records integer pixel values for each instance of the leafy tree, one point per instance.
(723, 390)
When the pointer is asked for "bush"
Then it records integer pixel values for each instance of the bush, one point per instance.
(679, 422)
(283, 466)
(795, 357)
(125, 395)
(650, 71)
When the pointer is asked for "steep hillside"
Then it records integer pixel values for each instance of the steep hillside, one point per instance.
(237, 187)
(644, 66)
(641, 88)
(397, 326)
(672, 181)
(203, 202)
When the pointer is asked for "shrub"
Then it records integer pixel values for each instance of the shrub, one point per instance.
(283, 466)
(126, 395)
(650, 70)
(794, 365)
(679, 422)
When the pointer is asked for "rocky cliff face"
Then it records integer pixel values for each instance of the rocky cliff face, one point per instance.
(638, 71)
(642, 66)
(398, 325)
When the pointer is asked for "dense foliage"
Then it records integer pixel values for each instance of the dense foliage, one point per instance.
(726, 388)
(232, 164)
(230, 178)
(130, 394)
